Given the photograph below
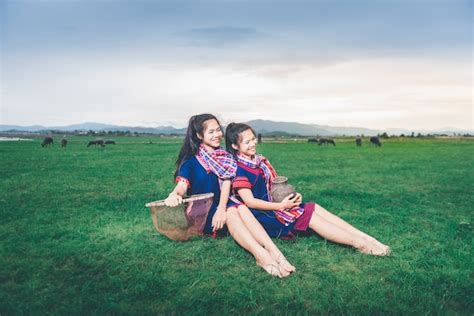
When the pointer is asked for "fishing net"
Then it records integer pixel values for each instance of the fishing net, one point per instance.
(183, 221)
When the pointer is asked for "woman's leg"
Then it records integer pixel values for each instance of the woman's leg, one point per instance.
(337, 234)
(244, 238)
(346, 226)
(261, 236)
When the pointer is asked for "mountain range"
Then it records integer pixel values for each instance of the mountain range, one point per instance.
(266, 127)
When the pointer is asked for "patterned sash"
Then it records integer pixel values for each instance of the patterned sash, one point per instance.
(219, 162)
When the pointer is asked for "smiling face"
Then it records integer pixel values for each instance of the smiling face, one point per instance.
(247, 145)
(212, 134)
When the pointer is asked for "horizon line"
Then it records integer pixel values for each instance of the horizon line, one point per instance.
(310, 124)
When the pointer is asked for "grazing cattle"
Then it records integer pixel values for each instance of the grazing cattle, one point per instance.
(375, 140)
(63, 142)
(96, 142)
(110, 142)
(358, 141)
(312, 140)
(326, 141)
(47, 141)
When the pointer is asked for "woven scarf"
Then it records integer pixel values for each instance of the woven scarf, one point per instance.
(258, 161)
(219, 162)
(285, 216)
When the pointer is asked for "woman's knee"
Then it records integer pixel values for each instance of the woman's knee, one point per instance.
(320, 211)
(316, 219)
(243, 209)
(232, 213)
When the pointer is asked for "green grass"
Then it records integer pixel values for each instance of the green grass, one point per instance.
(77, 239)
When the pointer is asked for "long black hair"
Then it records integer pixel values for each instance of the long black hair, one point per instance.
(191, 140)
(232, 135)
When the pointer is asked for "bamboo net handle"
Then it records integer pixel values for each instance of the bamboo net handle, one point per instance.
(191, 198)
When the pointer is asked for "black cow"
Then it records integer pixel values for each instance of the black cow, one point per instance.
(312, 140)
(326, 141)
(47, 141)
(63, 142)
(358, 141)
(375, 140)
(109, 142)
(96, 142)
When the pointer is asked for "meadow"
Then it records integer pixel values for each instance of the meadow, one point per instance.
(76, 237)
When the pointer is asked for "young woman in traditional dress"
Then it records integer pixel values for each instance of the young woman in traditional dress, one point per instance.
(252, 187)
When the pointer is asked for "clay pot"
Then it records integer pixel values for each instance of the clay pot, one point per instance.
(281, 189)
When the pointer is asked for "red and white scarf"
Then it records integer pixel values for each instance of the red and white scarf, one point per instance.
(219, 162)
(285, 216)
(258, 161)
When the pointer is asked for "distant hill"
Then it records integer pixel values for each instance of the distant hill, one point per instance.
(85, 127)
(95, 127)
(32, 128)
(265, 127)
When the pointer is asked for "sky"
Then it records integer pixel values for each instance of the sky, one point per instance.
(376, 64)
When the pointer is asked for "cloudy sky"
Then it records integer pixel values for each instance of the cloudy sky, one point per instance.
(376, 64)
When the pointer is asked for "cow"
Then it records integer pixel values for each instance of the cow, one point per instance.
(63, 142)
(359, 141)
(375, 140)
(47, 141)
(109, 142)
(312, 140)
(96, 142)
(326, 141)
(259, 138)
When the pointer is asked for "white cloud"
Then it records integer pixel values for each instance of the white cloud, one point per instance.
(377, 93)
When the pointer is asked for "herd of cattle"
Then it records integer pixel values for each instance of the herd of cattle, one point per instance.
(374, 140)
(48, 141)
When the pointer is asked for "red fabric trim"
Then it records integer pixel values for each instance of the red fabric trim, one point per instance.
(241, 182)
(183, 179)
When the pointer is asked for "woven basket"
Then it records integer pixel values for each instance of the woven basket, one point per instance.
(183, 221)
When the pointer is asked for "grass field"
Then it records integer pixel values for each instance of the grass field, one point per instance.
(77, 239)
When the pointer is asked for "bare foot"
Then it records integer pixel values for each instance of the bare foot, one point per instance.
(284, 263)
(379, 244)
(381, 248)
(274, 270)
(268, 264)
(387, 249)
(384, 248)
(370, 248)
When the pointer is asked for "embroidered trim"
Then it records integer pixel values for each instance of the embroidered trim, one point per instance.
(183, 179)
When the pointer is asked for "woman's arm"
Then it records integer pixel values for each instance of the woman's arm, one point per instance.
(225, 192)
(218, 221)
(176, 196)
(249, 200)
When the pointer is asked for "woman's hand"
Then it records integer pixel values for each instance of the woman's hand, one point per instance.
(290, 201)
(219, 218)
(173, 200)
(299, 198)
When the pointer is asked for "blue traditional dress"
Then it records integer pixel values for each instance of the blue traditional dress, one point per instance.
(199, 182)
(254, 179)
(200, 172)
